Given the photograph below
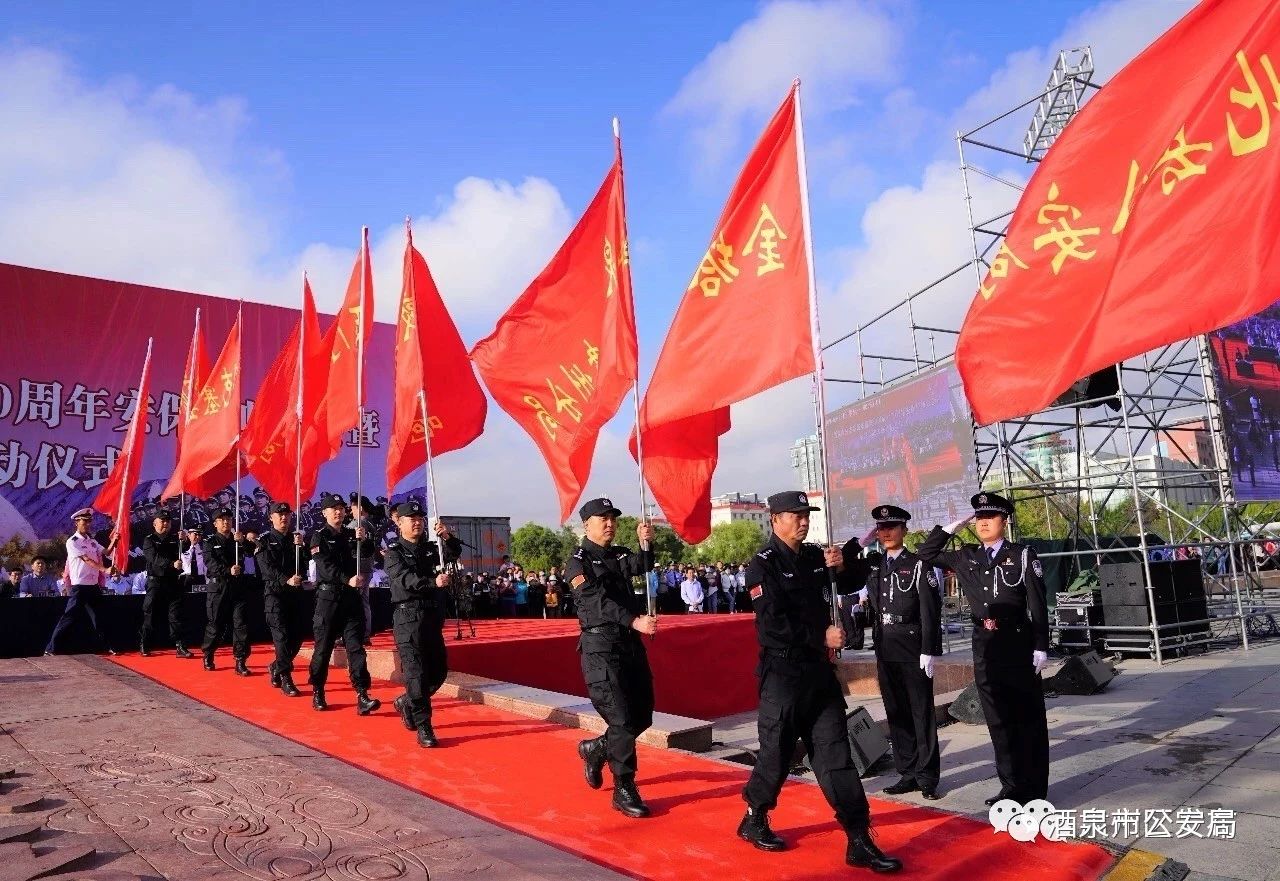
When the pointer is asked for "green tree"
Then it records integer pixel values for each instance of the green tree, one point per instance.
(537, 547)
(731, 542)
(569, 542)
(667, 546)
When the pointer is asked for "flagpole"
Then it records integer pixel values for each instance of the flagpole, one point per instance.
(360, 318)
(130, 440)
(186, 418)
(815, 331)
(650, 605)
(433, 505)
(297, 413)
(235, 444)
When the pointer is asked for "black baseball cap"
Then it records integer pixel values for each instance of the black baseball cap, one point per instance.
(333, 501)
(164, 515)
(792, 501)
(890, 515)
(281, 508)
(598, 508)
(411, 508)
(223, 514)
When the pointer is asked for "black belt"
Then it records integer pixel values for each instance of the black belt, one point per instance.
(886, 618)
(797, 654)
(604, 629)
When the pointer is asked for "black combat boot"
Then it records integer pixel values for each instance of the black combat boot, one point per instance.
(208, 660)
(365, 704)
(593, 753)
(427, 736)
(287, 686)
(275, 675)
(904, 785)
(183, 651)
(142, 648)
(755, 828)
(317, 698)
(242, 667)
(863, 854)
(402, 707)
(626, 798)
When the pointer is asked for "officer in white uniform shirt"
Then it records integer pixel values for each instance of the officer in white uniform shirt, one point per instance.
(86, 571)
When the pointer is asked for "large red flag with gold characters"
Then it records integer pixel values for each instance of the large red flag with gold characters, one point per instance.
(208, 460)
(431, 362)
(346, 341)
(750, 290)
(289, 392)
(563, 357)
(1153, 217)
(194, 375)
(114, 496)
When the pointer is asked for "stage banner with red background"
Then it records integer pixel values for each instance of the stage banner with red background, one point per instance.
(68, 387)
(909, 445)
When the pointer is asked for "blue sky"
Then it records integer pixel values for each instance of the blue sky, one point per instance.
(242, 141)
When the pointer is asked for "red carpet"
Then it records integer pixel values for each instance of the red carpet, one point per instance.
(703, 665)
(524, 775)
(1265, 374)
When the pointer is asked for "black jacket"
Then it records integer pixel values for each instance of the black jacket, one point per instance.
(334, 553)
(1008, 590)
(161, 551)
(279, 559)
(600, 578)
(790, 592)
(221, 552)
(907, 589)
(411, 569)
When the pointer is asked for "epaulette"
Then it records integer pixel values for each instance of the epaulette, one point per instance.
(765, 554)
(620, 552)
(577, 553)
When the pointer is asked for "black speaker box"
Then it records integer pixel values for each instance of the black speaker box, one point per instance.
(1082, 674)
(868, 741)
(1123, 584)
(967, 707)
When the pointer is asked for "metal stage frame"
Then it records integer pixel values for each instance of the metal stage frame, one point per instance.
(1157, 455)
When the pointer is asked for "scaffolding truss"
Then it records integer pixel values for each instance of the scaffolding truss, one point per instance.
(1138, 473)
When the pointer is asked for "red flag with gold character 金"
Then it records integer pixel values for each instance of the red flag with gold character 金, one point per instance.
(432, 359)
(116, 492)
(1150, 220)
(750, 290)
(208, 460)
(270, 438)
(563, 357)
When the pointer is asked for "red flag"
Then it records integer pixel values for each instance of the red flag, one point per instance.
(751, 289)
(345, 342)
(1149, 221)
(456, 405)
(562, 358)
(117, 491)
(194, 375)
(208, 461)
(289, 392)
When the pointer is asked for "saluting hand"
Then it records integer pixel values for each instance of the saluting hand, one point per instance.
(834, 639)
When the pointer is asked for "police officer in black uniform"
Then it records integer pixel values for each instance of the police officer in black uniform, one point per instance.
(338, 606)
(227, 594)
(800, 696)
(417, 582)
(164, 584)
(282, 565)
(906, 620)
(614, 663)
(1004, 585)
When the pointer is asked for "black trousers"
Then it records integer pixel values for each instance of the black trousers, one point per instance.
(163, 594)
(83, 603)
(1012, 698)
(803, 700)
(282, 609)
(913, 727)
(423, 660)
(339, 612)
(620, 686)
(225, 603)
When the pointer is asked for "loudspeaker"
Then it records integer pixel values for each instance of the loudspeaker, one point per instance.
(1082, 674)
(868, 741)
(967, 707)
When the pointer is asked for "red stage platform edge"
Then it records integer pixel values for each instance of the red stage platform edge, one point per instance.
(703, 665)
(524, 774)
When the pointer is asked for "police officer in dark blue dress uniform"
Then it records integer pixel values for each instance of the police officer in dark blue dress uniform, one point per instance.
(800, 697)
(614, 663)
(906, 619)
(1004, 585)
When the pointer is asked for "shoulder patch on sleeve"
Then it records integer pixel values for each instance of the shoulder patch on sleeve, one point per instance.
(757, 591)
(1037, 568)
(578, 581)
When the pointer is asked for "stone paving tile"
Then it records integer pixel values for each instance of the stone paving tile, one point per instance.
(1251, 778)
(1235, 798)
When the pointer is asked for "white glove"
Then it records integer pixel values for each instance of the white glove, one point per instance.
(926, 664)
(1039, 660)
(958, 525)
(869, 539)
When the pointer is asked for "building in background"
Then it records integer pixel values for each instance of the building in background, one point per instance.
(807, 464)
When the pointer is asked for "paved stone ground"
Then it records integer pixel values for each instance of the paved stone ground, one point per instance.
(1199, 732)
(163, 787)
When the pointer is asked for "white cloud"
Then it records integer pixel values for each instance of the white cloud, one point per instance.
(832, 46)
